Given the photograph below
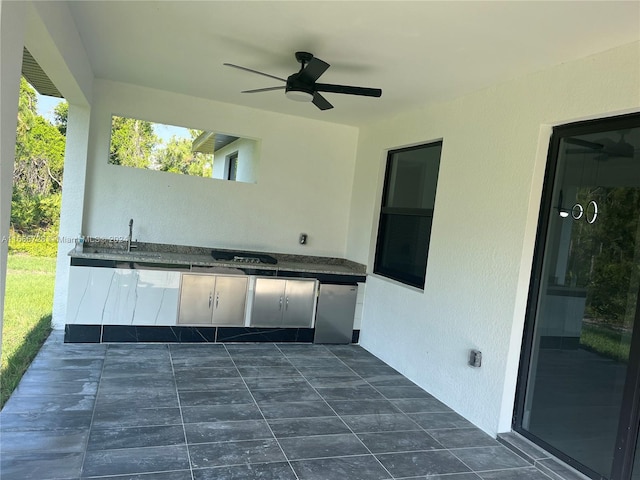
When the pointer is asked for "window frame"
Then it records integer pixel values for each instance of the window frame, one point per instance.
(388, 212)
(231, 167)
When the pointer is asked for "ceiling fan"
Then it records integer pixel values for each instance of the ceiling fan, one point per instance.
(302, 86)
(604, 147)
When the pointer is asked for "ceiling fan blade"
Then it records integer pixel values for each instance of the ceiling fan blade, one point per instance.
(313, 70)
(254, 71)
(268, 89)
(321, 102)
(584, 143)
(348, 90)
(582, 151)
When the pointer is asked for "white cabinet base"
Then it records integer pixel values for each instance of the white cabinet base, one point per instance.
(113, 296)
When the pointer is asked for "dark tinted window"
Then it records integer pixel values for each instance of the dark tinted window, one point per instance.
(407, 211)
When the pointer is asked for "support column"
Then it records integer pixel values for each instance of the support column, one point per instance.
(71, 212)
(12, 28)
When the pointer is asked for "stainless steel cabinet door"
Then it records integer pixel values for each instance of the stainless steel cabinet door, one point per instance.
(268, 302)
(196, 299)
(299, 303)
(229, 300)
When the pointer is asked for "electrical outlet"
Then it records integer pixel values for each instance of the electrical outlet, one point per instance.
(475, 358)
(303, 239)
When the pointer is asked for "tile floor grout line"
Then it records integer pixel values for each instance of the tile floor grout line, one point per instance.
(510, 469)
(468, 466)
(399, 409)
(340, 417)
(369, 384)
(262, 414)
(108, 353)
(426, 431)
(184, 430)
(93, 411)
(406, 415)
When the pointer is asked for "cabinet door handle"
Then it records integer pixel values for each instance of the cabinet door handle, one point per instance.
(210, 299)
(280, 303)
(217, 299)
(286, 305)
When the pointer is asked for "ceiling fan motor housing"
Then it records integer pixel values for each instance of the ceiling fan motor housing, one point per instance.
(298, 90)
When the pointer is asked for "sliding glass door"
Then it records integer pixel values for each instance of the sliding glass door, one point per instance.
(578, 391)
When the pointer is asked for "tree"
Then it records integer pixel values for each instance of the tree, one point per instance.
(61, 114)
(132, 142)
(178, 157)
(604, 255)
(37, 175)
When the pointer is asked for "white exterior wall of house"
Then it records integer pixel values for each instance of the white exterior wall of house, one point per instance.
(248, 160)
(484, 227)
(72, 206)
(304, 184)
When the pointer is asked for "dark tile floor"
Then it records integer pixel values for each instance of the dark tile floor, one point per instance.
(235, 411)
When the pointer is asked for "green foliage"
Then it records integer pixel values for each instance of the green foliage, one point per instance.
(38, 244)
(61, 114)
(27, 316)
(26, 107)
(132, 142)
(178, 157)
(607, 342)
(38, 168)
(605, 255)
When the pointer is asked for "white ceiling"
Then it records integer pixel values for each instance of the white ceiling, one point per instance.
(418, 52)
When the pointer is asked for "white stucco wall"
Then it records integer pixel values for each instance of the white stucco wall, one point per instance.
(248, 160)
(75, 169)
(304, 184)
(490, 181)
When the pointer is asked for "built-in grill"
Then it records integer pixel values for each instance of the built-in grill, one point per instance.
(242, 257)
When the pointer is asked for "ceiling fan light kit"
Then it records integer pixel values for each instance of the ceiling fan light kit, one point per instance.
(299, 96)
(302, 86)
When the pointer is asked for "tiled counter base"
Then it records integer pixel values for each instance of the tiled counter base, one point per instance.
(236, 411)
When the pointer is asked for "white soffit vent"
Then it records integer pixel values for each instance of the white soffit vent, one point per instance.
(36, 77)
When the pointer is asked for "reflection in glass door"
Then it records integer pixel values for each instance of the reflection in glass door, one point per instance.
(574, 390)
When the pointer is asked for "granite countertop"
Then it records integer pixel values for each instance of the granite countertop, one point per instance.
(200, 258)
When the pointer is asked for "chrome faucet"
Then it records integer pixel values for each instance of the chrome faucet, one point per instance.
(130, 239)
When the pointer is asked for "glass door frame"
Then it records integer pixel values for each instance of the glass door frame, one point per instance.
(629, 421)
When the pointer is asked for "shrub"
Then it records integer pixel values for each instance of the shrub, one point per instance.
(40, 244)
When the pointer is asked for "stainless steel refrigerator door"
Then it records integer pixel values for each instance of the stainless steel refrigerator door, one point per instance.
(334, 316)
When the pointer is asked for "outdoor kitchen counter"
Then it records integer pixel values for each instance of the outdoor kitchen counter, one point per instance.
(117, 295)
(199, 259)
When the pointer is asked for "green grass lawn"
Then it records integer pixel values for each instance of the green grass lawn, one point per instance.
(27, 316)
(606, 341)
